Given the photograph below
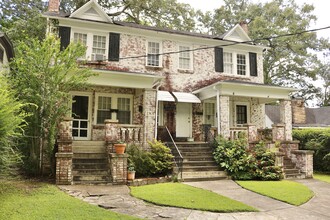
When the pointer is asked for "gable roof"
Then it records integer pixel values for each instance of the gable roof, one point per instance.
(8, 46)
(91, 11)
(237, 33)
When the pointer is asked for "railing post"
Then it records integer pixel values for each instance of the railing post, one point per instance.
(64, 154)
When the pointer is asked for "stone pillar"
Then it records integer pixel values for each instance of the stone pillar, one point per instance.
(286, 118)
(278, 132)
(111, 133)
(224, 116)
(64, 154)
(257, 115)
(118, 168)
(304, 161)
(298, 111)
(150, 114)
(252, 132)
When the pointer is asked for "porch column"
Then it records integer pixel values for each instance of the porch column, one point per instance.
(150, 114)
(286, 118)
(224, 116)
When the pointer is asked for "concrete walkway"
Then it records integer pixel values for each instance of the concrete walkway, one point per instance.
(117, 199)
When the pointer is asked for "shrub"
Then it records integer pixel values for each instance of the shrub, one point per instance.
(242, 163)
(317, 140)
(157, 161)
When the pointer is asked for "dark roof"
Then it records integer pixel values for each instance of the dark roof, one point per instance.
(6, 43)
(315, 117)
(144, 27)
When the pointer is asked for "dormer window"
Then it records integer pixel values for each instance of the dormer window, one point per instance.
(153, 51)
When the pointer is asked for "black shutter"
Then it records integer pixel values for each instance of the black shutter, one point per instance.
(218, 59)
(1, 55)
(64, 33)
(253, 64)
(114, 42)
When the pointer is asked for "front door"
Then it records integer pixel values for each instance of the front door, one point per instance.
(183, 120)
(81, 117)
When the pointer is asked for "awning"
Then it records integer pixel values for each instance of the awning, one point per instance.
(177, 97)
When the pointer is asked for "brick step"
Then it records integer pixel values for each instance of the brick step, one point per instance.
(197, 153)
(291, 171)
(293, 176)
(95, 182)
(78, 172)
(88, 143)
(199, 163)
(88, 177)
(88, 160)
(199, 168)
(81, 166)
(198, 158)
(203, 176)
(94, 150)
(89, 156)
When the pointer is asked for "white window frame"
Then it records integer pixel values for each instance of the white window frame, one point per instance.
(160, 52)
(234, 63)
(215, 112)
(241, 64)
(89, 42)
(225, 63)
(114, 104)
(190, 57)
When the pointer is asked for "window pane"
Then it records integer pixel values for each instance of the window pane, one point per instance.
(241, 114)
(184, 57)
(209, 113)
(103, 110)
(99, 44)
(153, 51)
(124, 110)
(241, 64)
(228, 62)
(81, 38)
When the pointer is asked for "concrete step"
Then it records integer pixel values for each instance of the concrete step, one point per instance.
(95, 182)
(203, 176)
(89, 160)
(78, 172)
(291, 171)
(199, 163)
(82, 166)
(88, 147)
(198, 158)
(89, 156)
(199, 168)
(90, 178)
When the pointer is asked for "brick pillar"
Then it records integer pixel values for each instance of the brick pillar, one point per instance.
(111, 134)
(224, 116)
(64, 154)
(278, 132)
(54, 6)
(252, 132)
(286, 118)
(298, 111)
(150, 114)
(118, 168)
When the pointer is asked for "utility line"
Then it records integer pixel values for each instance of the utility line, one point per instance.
(230, 44)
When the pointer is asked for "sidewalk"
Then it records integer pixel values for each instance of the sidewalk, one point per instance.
(117, 199)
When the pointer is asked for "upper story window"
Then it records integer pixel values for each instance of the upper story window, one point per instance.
(228, 62)
(153, 51)
(99, 47)
(184, 58)
(241, 64)
(80, 38)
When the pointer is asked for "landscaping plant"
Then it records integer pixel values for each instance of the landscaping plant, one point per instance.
(244, 163)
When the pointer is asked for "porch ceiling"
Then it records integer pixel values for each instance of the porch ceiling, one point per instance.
(265, 93)
(124, 79)
(177, 97)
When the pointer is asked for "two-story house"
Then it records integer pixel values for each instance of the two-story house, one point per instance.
(149, 78)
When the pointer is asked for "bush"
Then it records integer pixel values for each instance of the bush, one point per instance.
(158, 161)
(243, 164)
(317, 140)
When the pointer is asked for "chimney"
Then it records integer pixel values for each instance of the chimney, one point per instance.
(245, 27)
(298, 111)
(54, 6)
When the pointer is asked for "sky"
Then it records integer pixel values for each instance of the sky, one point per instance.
(321, 10)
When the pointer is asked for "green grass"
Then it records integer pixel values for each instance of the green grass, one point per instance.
(33, 200)
(184, 196)
(322, 177)
(287, 191)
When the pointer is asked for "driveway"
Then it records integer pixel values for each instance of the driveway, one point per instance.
(117, 199)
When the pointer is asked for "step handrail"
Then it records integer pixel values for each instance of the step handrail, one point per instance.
(179, 164)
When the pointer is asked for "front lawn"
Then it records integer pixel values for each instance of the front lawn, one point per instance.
(184, 196)
(287, 191)
(322, 177)
(33, 200)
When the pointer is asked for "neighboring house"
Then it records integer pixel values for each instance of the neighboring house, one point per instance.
(6, 50)
(302, 117)
(153, 78)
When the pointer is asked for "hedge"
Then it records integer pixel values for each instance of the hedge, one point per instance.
(317, 140)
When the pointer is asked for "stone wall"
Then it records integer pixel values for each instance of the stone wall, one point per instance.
(118, 168)
(224, 116)
(149, 112)
(286, 118)
(257, 112)
(298, 111)
(197, 122)
(304, 162)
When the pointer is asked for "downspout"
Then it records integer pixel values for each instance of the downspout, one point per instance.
(157, 84)
(218, 109)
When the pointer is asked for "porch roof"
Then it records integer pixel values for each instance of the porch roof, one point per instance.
(177, 97)
(124, 79)
(265, 93)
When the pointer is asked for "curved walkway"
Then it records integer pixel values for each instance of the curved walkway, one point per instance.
(118, 199)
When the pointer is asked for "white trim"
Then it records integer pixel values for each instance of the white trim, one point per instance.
(114, 98)
(90, 106)
(237, 28)
(150, 40)
(81, 12)
(234, 62)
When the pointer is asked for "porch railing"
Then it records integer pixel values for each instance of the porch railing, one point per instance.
(236, 132)
(130, 133)
(178, 158)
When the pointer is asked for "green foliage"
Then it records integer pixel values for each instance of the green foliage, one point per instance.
(287, 191)
(43, 75)
(157, 161)
(11, 125)
(181, 195)
(246, 164)
(317, 140)
(33, 200)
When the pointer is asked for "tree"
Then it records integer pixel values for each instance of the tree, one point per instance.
(43, 75)
(290, 60)
(22, 20)
(11, 124)
(324, 75)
